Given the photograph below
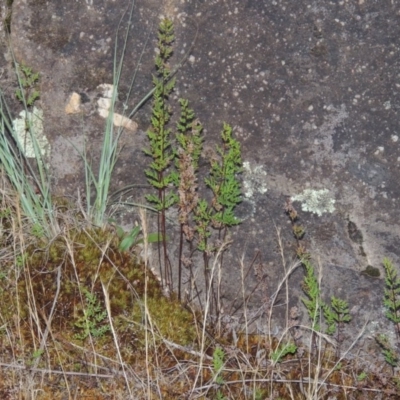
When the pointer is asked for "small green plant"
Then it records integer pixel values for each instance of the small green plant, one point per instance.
(282, 351)
(338, 366)
(91, 323)
(391, 301)
(388, 351)
(160, 149)
(336, 315)
(361, 376)
(35, 356)
(260, 394)
(220, 214)
(218, 362)
(223, 181)
(130, 239)
(20, 260)
(311, 288)
(37, 230)
(220, 396)
(27, 93)
(203, 216)
(392, 295)
(5, 213)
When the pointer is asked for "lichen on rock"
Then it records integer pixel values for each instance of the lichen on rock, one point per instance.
(28, 129)
(316, 201)
(254, 179)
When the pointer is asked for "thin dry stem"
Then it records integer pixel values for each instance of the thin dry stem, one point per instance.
(206, 311)
(117, 347)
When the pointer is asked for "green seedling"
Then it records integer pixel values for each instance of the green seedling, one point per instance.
(223, 181)
(260, 394)
(37, 230)
(203, 217)
(338, 366)
(20, 260)
(131, 238)
(5, 213)
(311, 288)
(27, 93)
(336, 315)
(218, 364)
(220, 396)
(390, 353)
(282, 351)
(391, 302)
(363, 375)
(91, 323)
(392, 295)
(35, 355)
(225, 186)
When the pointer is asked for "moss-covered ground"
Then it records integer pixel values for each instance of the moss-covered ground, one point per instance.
(81, 319)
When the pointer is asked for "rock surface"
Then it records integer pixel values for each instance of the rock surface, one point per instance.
(311, 88)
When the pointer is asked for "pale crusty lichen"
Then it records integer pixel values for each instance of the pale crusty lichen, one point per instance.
(254, 179)
(24, 134)
(316, 201)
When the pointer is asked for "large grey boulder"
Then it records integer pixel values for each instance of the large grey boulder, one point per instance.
(312, 91)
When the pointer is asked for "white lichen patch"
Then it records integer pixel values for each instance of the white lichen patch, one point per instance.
(28, 129)
(254, 179)
(316, 201)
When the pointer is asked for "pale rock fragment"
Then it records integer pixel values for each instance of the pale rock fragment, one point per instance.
(107, 90)
(121, 120)
(103, 108)
(118, 119)
(74, 104)
(104, 103)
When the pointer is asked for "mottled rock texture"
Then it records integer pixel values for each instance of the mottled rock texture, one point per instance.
(311, 88)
